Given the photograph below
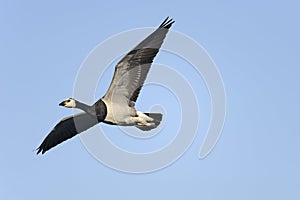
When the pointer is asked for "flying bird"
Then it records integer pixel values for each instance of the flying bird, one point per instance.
(116, 107)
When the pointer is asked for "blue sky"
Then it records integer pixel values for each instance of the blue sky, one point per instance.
(256, 47)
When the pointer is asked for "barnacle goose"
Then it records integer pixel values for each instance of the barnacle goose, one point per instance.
(116, 107)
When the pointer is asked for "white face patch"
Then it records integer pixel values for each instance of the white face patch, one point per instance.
(69, 103)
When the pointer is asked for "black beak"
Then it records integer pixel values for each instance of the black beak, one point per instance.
(62, 103)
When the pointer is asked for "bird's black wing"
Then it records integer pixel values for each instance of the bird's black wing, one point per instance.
(131, 72)
(65, 129)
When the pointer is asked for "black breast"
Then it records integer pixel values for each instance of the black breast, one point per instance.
(101, 110)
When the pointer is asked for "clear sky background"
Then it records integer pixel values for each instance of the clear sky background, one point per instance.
(255, 45)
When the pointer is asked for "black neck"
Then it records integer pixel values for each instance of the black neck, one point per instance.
(99, 109)
(84, 107)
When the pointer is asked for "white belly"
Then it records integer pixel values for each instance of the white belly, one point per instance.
(118, 113)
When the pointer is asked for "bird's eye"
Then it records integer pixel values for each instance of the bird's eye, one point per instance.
(68, 100)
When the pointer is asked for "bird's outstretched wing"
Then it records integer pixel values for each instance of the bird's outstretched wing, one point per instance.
(67, 128)
(131, 72)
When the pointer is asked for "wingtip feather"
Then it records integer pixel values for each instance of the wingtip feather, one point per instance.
(167, 23)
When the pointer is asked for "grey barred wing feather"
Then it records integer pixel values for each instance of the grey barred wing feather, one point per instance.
(131, 72)
(66, 129)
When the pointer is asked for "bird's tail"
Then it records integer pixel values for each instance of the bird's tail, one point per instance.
(156, 119)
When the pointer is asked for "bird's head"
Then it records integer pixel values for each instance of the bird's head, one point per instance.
(68, 103)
